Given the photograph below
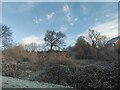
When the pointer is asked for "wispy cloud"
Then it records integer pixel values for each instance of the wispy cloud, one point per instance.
(109, 28)
(71, 20)
(50, 15)
(84, 9)
(32, 39)
(107, 15)
(36, 20)
(66, 8)
(63, 29)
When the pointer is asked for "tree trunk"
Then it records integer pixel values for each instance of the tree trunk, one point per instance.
(51, 45)
(51, 48)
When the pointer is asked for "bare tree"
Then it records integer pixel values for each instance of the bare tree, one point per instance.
(94, 36)
(5, 35)
(31, 47)
(97, 39)
(54, 40)
(102, 41)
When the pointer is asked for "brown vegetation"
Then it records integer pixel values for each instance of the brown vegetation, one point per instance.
(59, 67)
(82, 50)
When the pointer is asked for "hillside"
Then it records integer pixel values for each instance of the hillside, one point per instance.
(9, 82)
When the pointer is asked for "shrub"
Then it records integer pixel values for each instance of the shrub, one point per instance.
(81, 78)
(15, 53)
(81, 50)
(107, 53)
(93, 77)
(10, 70)
(57, 74)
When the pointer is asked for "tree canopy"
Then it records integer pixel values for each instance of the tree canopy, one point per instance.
(5, 35)
(54, 40)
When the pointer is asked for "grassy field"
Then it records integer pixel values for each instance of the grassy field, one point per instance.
(9, 82)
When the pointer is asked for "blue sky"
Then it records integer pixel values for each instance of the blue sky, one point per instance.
(29, 21)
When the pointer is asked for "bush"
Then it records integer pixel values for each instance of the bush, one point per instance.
(11, 70)
(18, 62)
(54, 58)
(47, 62)
(107, 53)
(57, 74)
(81, 49)
(81, 78)
(15, 53)
(93, 77)
(58, 68)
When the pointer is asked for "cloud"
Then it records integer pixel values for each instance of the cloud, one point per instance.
(71, 20)
(107, 15)
(66, 8)
(40, 20)
(76, 19)
(63, 29)
(50, 16)
(71, 39)
(84, 9)
(83, 34)
(110, 28)
(36, 20)
(32, 39)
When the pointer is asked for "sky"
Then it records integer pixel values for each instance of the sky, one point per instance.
(29, 21)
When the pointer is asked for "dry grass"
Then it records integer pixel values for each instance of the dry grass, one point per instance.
(59, 68)
(17, 62)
